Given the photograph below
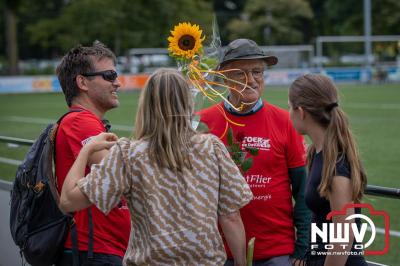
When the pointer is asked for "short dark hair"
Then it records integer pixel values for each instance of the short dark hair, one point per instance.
(79, 60)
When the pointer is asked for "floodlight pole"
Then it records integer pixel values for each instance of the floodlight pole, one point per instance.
(367, 37)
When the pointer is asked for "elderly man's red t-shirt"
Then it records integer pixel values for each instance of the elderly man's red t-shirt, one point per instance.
(111, 232)
(269, 216)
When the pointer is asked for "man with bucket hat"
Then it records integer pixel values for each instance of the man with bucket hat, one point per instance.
(278, 172)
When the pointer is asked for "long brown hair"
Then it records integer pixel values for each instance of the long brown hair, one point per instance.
(318, 96)
(164, 119)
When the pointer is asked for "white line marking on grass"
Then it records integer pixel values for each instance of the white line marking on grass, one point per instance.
(383, 106)
(122, 128)
(382, 231)
(10, 161)
(371, 263)
(44, 121)
(31, 120)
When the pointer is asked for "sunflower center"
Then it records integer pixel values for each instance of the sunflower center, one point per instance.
(186, 42)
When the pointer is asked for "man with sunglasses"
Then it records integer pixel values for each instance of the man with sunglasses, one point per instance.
(278, 171)
(89, 82)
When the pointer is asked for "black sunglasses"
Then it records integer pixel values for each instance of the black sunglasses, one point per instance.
(109, 75)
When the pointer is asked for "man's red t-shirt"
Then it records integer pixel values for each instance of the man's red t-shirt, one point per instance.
(111, 232)
(269, 216)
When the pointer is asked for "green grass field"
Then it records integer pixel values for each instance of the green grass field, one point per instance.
(374, 112)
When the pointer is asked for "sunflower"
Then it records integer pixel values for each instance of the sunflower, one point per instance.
(185, 40)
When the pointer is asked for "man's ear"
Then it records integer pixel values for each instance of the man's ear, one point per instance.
(81, 82)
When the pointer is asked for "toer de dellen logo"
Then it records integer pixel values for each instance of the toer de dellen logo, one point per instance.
(332, 233)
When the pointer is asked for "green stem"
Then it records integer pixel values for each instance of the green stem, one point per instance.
(250, 251)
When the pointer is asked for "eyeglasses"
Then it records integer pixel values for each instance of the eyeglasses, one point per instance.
(240, 74)
(109, 75)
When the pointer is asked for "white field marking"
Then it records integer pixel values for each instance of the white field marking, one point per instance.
(371, 263)
(382, 231)
(382, 106)
(122, 127)
(9, 161)
(45, 121)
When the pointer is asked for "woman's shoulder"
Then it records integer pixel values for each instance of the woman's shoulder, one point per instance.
(343, 166)
(203, 138)
(209, 144)
(131, 146)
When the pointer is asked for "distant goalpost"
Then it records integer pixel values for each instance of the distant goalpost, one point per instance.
(341, 39)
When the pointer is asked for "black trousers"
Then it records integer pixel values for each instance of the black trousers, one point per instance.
(98, 259)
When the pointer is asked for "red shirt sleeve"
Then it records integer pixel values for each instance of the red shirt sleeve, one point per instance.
(81, 128)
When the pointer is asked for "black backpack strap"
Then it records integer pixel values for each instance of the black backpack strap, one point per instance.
(90, 234)
(106, 124)
(67, 113)
(52, 178)
(107, 127)
(74, 234)
(74, 239)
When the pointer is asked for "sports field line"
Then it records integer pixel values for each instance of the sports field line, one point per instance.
(382, 106)
(371, 263)
(45, 121)
(391, 232)
(10, 161)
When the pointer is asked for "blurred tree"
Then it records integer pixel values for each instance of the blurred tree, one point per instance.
(272, 21)
(121, 24)
(386, 17)
(226, 11)
(47, 28)
(346, 17)
(78, 22)
(150, 27)
(17, 15)
(30, 13)
(2, 31)
(10, 14)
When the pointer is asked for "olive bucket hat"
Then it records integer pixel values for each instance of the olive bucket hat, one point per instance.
(241, 49)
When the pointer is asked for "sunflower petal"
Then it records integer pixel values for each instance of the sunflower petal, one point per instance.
(185, 40)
